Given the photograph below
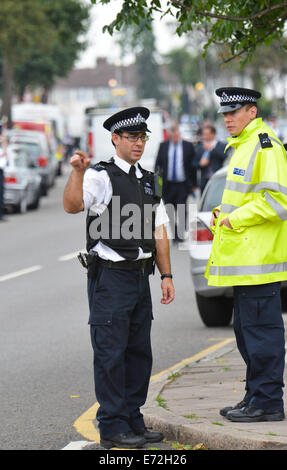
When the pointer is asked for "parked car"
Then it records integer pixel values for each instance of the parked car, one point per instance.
(22, 183)
(215, 304)
(37, 147)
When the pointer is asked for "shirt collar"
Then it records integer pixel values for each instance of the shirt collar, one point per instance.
(125, 166)
(177, 144)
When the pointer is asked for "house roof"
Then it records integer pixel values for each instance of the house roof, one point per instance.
(99, 76)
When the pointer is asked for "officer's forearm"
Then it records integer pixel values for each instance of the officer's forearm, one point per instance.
(73, 194)
(162, 250)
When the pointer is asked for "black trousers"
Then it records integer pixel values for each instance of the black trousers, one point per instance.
(120, 318)
(176, 194)
(259, 331)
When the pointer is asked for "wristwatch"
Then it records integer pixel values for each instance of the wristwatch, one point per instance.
(166, 275)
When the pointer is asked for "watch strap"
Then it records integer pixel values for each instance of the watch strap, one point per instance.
(166, 275)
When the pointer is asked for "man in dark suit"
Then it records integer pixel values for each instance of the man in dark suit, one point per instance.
(175, 162)
(210, 155)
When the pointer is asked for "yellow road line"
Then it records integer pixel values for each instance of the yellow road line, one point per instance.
(84, 425)
(196, 357)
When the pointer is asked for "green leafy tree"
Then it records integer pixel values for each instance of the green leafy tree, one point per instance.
(139, 39)
(238, 26)
(22, 24)
(184, 65)
(69, 20)
(39, 40)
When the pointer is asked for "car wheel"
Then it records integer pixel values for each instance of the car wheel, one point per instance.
(23, 205)
(35, 203)
(44, 190)
(215, 311)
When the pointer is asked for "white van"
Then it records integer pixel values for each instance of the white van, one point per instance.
(42, 113)
(37, 112)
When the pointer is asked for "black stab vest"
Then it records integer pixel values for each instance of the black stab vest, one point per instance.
(128, 222)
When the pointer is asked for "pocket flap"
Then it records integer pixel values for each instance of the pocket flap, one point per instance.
(262, 290)
(104, 319)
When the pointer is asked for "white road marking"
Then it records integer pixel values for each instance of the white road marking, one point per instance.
(70, 255)
(20, 273)
(78, 445)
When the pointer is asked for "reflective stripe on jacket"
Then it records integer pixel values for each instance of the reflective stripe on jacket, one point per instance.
(255, 201)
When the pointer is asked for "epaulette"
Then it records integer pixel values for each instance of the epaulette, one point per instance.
(265, 141)
(144, 171)
(100, 166)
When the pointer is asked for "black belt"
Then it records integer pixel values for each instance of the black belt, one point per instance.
(137, 265)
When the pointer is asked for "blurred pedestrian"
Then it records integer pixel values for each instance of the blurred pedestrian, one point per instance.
(175, 161)
(68, 142)
(210, 155)
(273, 124)
(3, 153)
(249, 252)
(119, 264)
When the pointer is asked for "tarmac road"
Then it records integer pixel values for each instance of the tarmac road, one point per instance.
(46, 356)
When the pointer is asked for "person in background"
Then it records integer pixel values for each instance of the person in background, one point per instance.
(273, 124)
(210, 155)
(68, 142)
(175, 162)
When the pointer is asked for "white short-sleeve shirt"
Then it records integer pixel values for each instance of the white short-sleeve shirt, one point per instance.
(97, 194)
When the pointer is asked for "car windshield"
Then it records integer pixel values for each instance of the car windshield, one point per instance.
(20, 160)
(32, 149)
(213, 194)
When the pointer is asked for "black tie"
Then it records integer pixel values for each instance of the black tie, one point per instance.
(132, 172)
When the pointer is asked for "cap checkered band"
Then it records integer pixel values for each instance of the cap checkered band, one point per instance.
(225, 98)
(134, 121)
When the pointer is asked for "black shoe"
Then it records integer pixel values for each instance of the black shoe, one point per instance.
(127, 440)
(150, 436)
(250, 414)
(239, 405)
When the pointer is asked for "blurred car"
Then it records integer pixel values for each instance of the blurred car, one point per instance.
(22, 183)
(215, 304)
(37, 147)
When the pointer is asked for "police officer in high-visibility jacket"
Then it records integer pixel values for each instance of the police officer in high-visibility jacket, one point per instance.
(249, 252)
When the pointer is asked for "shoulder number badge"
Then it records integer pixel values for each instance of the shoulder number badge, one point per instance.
(265, 141)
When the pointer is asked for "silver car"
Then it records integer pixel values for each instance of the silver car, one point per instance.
(22, 183)
(215, 304)
(37, 147)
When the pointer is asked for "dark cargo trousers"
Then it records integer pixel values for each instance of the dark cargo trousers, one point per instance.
(259, 331)
(120, 318)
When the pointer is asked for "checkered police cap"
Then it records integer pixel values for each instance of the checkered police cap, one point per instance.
(232, 98)
(129, 120)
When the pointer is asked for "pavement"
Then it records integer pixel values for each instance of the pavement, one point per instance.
(184, 404)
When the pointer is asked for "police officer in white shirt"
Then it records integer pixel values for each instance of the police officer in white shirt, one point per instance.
(118, 275)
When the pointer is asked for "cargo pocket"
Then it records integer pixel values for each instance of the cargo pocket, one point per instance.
(101, 313)
(262, 304)
(102, 319)
(233, 240)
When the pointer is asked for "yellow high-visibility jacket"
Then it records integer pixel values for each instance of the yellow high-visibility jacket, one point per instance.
(255, 201)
